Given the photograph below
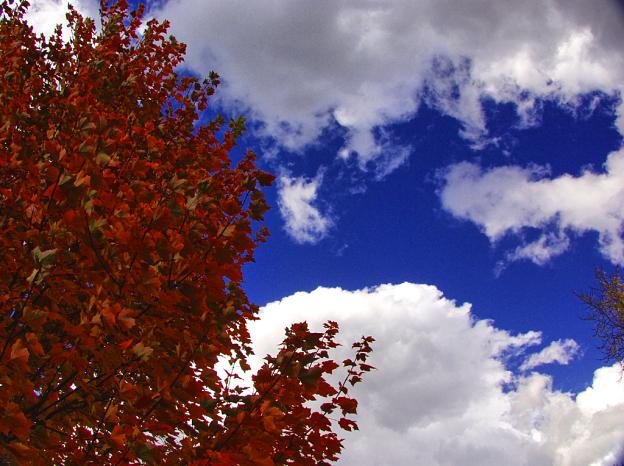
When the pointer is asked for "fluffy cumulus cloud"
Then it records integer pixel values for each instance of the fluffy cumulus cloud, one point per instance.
(560, 351)
(511, 200)
(299, 65)
(304, 222)
(443, 394)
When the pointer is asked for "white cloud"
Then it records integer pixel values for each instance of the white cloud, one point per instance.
(442, 394)
(511, 200)
(560, 351)
(604, 393)
(304, 222)
(543, 249)
(366, 64)
(45, 15)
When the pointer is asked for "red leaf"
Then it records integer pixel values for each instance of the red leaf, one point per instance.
(347, 424)
(126, 344)
(117, 437)
(347, 405)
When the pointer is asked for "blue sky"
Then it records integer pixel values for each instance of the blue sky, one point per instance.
(430, 154)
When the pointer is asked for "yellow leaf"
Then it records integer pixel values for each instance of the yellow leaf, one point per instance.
(102, 158)
(142, 351)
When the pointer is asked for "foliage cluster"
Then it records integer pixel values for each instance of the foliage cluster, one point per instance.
(606, 310)
(124, 226)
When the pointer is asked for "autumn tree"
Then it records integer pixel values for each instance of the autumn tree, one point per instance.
(124, 225)
(606, 310)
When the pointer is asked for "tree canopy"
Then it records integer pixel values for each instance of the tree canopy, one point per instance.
(124, 227)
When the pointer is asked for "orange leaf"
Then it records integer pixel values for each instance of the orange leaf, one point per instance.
(269, 424)
(109, 315)
(124, 318)
(18, 352)
(33, 341)
(19, 449)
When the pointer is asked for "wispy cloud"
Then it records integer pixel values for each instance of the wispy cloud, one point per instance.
(560, 352)
(509, 200)
(303, 219)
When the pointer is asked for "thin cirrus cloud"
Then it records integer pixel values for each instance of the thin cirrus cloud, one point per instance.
(510, 200)
(443, 388)
(559, 351)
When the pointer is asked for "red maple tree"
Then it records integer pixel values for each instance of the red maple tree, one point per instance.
(124, 225)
